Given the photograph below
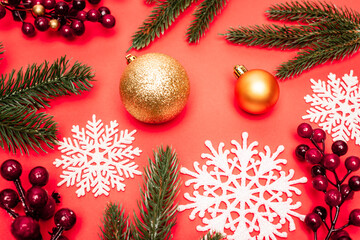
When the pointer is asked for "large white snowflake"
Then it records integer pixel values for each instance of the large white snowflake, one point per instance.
(97, 157)
(244, 197)
(335, 106)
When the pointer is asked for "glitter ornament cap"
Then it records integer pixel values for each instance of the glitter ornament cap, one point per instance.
(154, 87)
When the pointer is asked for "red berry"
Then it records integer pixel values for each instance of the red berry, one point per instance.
(318, 135)
(48, 210)
(340, 235)
(66, 31)
(81, 15)
(36, 197)
(49, 4)
(78, 27)
(2, 11)
(63, 238)
(79, 4)
(61, 8)
(14, 2)
(352, 163)
(103, 11)
(339, 147)
(333, 198)
(301, 150)
(42, 24)
(313, 221)
(19, 16)
(318, 170)
(346, 192)
(108, 21)
(331, 161)
(39, 176)
(28, 29)
(11, 170)
(320, 183)
(354, 217)
(304, 130)
(94, 1)
(25, 228)
(93, 15)
(313, 155)
(9, 198)
(354, 183)
(321, 211)
(65, 218)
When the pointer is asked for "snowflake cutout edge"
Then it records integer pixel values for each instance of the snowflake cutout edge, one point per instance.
(335, 106)
(242, 186)
(97, 158)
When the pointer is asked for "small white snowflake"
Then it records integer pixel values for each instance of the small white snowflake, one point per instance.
(97, 158)
(241, 196)
(335, 106)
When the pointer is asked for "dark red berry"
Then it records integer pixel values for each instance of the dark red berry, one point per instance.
(28, 29)
(11, 170)
(65, 218)
(313, 155)
(108, 21)
(42, 24)
(354, 217)
(63, 238)
(321, 211)
(340, 235)
(39, 176)
(344, 238)
(331, 161)
(346, 192)
(8, 198)
(313, 221)
(66, 31)
(103, 11)
(61, 8)
(48, 210)
(318, 135)
(320, 183)
(14, 2)
(93, 15)
(339, 147)
(49, 4)
(78, 27)
(300, 151)
(36, 197)
(19, 16)
(333, 198)
(27, 3)
(79, 4)
(2, 11)
(81, 15)
(318, 170)
(304, 130)
(352, 163)
(354, 183)
(73, 12)
(94, 1)
(25, 228)
(37, 2)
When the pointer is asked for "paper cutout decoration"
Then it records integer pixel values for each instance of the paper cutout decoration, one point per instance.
(240, 195)
(97, 158)
(335, 106)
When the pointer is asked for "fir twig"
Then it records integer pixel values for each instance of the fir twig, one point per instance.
(1, 49)
(116, 225)
(149, 1)
(204, 15)
(212, 236)
(164, 14)
(24, 92)
(158, 209)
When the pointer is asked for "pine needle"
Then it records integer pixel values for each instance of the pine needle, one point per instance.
(22, 93)
(212, 236)
(204, 15)
(1, 51)
(116, 225)
(158, 209)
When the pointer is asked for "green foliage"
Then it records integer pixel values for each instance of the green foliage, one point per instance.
(212, 236)
(157, 207)
(204, 15)
(324, 33)
(1, 49)
(116, 225)
(22, 93)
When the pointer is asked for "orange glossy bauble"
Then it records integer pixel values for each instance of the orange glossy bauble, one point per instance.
(256, 91)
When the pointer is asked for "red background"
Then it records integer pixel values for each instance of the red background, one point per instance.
(210, 114)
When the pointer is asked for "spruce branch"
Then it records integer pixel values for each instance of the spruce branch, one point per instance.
(1, 49)
(204, 15)
(22, 93)
(158, 209)
(212, 236)
(116, 225)
(164, 14)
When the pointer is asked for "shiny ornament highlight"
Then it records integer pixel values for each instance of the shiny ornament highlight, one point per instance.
(256, 91)
(154, 87)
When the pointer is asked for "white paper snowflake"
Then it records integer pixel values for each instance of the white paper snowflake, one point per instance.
(97, 157)
(335, 106)
(244, 197)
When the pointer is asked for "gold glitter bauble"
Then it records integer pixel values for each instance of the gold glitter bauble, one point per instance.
(54, 24)
(38, 10)
(256, 91)
(154, 87)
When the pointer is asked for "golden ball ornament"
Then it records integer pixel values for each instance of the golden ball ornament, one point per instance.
(256, 90)
(38, 10)
(54, 24)
(154, 87)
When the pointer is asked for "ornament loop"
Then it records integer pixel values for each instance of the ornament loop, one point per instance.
(130, 58)
(239, 70)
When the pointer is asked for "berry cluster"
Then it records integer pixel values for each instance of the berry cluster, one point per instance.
(323, 165)
(36, 202)
(66, 17)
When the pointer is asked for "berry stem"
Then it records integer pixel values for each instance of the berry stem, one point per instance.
(315, 235)
(346, 175)
(317, 146)
(333, 222)
(11, 212)
(21, 192)
(331, 182)
(326, 225)
(57, 233)
(343, 227)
